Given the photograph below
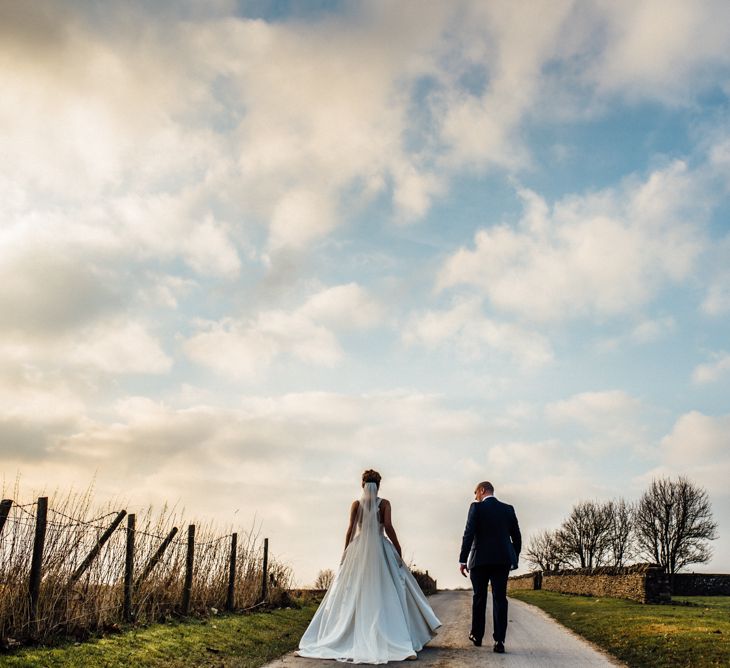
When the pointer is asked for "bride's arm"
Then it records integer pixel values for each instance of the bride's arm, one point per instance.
(388, 526)
(353, 519)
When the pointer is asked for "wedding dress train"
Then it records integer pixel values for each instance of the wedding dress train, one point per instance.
(374, 611)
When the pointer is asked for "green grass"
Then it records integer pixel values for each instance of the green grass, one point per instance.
(694, 631)
(224, 641)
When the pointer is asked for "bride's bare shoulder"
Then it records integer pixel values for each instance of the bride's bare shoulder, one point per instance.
(384, 502)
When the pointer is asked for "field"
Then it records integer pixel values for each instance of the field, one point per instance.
(693, 632)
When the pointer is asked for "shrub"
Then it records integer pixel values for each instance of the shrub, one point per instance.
(324, 579)
(425, 581)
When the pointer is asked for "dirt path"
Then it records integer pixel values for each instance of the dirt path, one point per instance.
(533, 639)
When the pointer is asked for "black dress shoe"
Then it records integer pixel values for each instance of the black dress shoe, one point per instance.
(477, 641)
(499, 647)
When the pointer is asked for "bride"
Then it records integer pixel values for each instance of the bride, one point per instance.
(374, 611)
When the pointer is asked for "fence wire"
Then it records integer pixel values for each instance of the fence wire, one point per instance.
(72, 603)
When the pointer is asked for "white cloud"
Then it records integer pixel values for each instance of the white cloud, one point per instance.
(279, 121)
(164, 290)
(109, 346)
(299, 217)
(659, 48)
(523, 462)
(36, 407)
(414, 191)
(712, 371)
(598, 255)
(170, 226)
(319, 124)
(63, 275)
(717, 297)
(595, 410)
(29, 394)
(475, 335)
(609, 420)
(47, 285)
(277, 433)
(67, 301)
(112, 104)
(649, 330)
(509, 44)
(242, 348)
(209, 250)
(699, 446)
(372, 421)
(119, 347)
(343, 306)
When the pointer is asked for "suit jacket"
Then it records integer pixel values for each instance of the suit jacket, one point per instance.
(492, 535)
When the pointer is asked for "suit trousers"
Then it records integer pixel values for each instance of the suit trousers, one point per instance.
(481, 576)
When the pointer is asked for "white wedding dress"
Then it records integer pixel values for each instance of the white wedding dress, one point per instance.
(374, 610)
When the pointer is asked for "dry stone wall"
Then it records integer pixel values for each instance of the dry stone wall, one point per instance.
(528, 581)
(701, 584)
(645, 583)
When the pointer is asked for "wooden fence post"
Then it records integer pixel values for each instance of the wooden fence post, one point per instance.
(97, 548)
(5, 506)
(230, 599)
(264, 575)
(36, 564)
(129, 568)
(188, 588)
(156, 557)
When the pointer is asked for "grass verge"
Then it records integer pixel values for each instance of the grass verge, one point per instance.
(693, 631)
(225, 641)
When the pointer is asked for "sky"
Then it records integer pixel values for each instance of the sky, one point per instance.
(250, 249)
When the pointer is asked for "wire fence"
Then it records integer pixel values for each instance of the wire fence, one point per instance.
(69, 569)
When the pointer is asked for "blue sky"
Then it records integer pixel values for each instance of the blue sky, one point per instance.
(250, 249)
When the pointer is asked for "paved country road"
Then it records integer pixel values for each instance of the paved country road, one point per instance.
(533, 639)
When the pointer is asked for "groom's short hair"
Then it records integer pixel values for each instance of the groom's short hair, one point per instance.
(486, 486)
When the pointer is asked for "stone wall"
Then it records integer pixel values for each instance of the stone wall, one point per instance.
(701, 584)
(645, 583)
(527, 581)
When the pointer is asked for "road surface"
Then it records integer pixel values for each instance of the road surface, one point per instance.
(533, 640)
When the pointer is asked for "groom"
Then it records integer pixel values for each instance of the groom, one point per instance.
(489, 550)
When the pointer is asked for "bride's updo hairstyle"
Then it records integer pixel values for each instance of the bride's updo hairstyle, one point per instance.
(371, 476)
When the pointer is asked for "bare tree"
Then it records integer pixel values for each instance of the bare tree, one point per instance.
(620, 532)
(324, 579)
(674, 523)
(545, 551)
(584, 534)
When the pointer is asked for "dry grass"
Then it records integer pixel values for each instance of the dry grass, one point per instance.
(94, 603)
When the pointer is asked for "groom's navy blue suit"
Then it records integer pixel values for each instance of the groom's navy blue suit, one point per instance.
(490, 548)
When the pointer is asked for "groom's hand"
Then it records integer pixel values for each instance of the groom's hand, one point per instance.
(464, 570)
